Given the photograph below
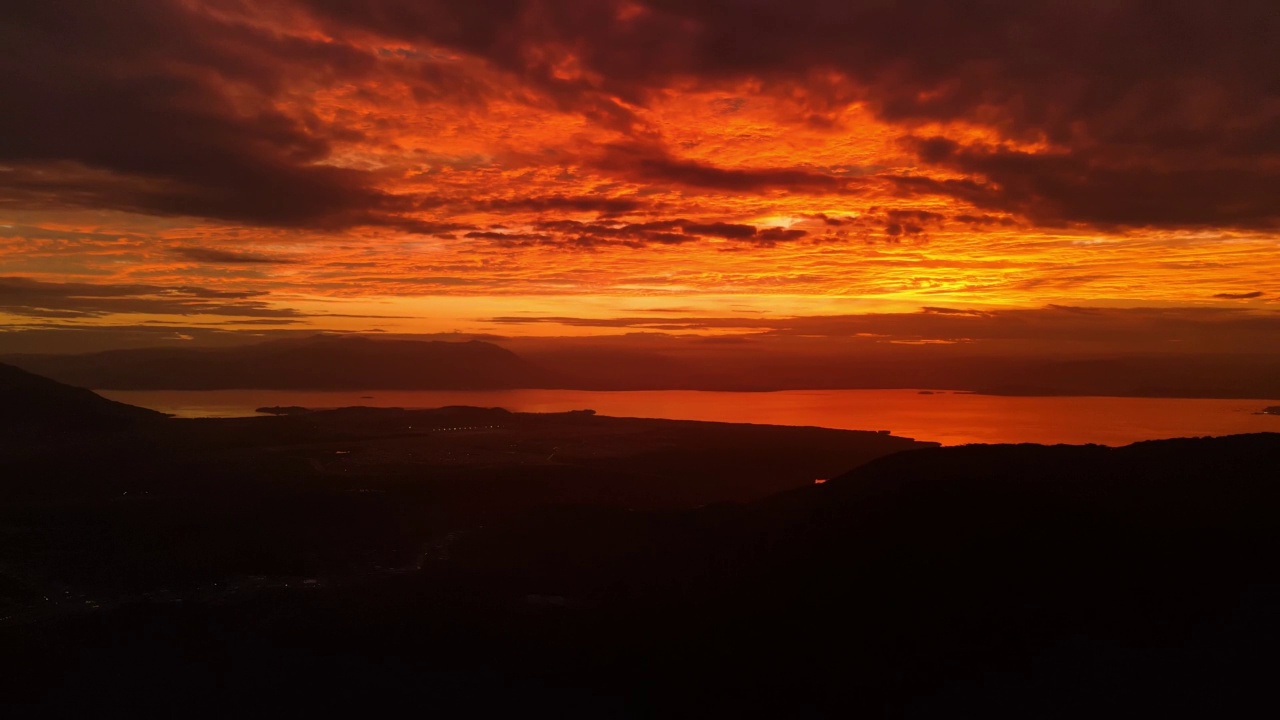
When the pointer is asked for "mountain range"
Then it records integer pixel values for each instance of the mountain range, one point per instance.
(365, 362)
(322, 362)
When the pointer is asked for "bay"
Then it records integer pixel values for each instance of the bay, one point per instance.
(950, 418)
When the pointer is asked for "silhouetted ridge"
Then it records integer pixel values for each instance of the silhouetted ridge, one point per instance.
(1094, 573)
(1032, 500)
(30, 402)
(369, 362)
(341, 362)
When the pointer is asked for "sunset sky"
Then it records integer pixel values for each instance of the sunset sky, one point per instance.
(171, 170)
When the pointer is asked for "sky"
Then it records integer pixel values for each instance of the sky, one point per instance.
(916, 171)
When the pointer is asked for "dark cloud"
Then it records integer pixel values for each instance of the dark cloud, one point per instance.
(58, 338)
(507, 237)
(1141, 113)
(953, 311)
(890, 225)
(684, 310)
(916, 216)
(272, 322)
(424, 227)
(651, 163)
(228, 257)
(71, 301)
(603, 205)
(1153, 113)
(41, 337)
(1048, 329)
(984, 220)
(664, 232)
(1240, 296)
(167, 108)
(639, 323)
(1104, 188)
(770, 236)
(721, 230)
(34, 298)
(831, 221)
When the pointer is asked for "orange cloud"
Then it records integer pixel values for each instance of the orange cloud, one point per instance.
(809, 153)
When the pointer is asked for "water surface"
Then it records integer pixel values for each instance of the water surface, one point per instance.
(946, 417)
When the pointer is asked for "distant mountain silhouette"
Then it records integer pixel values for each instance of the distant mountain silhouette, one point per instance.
(322, 362)
(363, 362)
(31, 402)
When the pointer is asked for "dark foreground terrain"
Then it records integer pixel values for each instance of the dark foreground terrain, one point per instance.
(468, 561)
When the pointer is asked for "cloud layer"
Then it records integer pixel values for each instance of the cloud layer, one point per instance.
(915, 152)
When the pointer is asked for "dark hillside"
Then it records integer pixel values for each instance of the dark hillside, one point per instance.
(30, 403)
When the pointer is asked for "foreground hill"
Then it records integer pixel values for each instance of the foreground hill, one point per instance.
(318, 363)
(32, 403)
(1023, 581)
(980, 581)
